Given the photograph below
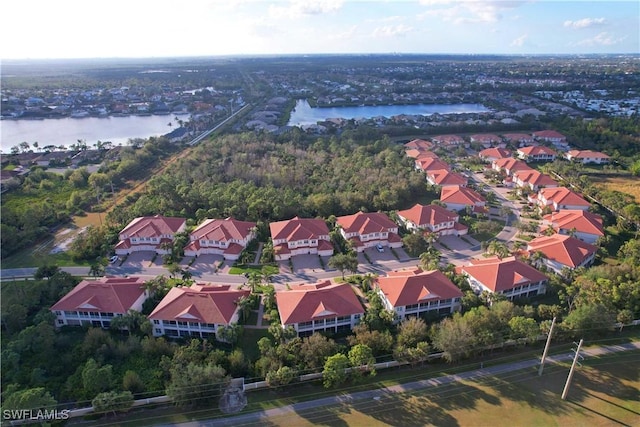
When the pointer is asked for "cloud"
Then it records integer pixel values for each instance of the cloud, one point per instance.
(469, 11)
(585, 23)
(519, 42)
(602, 39)
(300, 8)
(392, 31)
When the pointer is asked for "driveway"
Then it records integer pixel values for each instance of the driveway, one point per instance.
(206, 264)
(309, 263)
(141, 259)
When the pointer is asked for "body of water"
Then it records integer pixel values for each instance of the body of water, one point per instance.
(304, 114)
(68, 131)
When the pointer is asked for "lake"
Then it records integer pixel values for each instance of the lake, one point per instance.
(68, 130)
(304, 114)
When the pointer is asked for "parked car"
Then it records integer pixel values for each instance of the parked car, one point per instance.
(379, 247)
(114, 259)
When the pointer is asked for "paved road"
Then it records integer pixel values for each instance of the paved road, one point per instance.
(262, 417)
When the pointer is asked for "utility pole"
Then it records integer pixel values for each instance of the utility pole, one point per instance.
(546, 346)
(573, 365)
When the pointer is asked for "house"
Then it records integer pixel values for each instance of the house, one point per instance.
(409, 293)
(196, 311)
(54, 158)
(518, 139)
(509, 165)
(588, 156)
(149, 233)
(300, 236)
(485, 139)
(562, 251)
(556, 138)
(491, 154)
(533, 180)
(426, 164)
(509, 276)
(419, 144)
(583, 225)
(419, 154)
(226, 237)
(96, 302)
(445, 178)
(458, 198)
(432, 218)
(319, 307)
(366, 230)
(448, 141)
(536, 153)
(559, 198)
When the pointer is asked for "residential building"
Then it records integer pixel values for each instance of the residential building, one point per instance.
(420, 155)
(561, 251)
(559, 198)
(533, 180)
(149, 233)
(509, 165)
(536, 153)
(226, 237)
(319, 307)
(556, 138)
(419, 144)
(366, 230)
(432, 218)
(96, 302)
(485, 139)
(509, 276)
(196, 311)
(588, 156)
(427, 164)
(409, 293)
(458, 198)
(494, 153)
(518, 139)
(448, 141)
(445, 178)
(583, 225)
(300, 236)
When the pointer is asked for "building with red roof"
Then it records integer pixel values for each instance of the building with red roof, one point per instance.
(446, 178)
(319, 307)
(588, 156)
(494, 153)
(559, 198)
(366, 230)
(410, 293)
(583, 225)
(519, 139)
(458, 198)
(552, 136)
(96, 302)
(197, 311)
(449, 141)
(419, 144)
(485, 139)
(149, 233)
(226, 237)
(561, 251)
(432, 218)
(536, 153)
(509, 277)
(299, 236)
(419, 154)
(533, 180)
(509, 165)
(427, 164)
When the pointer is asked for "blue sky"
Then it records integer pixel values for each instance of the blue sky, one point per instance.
(157, 28)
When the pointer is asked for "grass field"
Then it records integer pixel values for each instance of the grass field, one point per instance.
(627, 185)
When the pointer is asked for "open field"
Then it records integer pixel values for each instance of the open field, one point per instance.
(627, 185)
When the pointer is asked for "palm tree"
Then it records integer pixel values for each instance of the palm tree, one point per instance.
(430, 259)
(537, 258)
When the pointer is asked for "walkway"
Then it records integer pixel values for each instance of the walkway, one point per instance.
(261, 417)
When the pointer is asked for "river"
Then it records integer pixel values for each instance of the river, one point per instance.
(68, 130)
(304, 114)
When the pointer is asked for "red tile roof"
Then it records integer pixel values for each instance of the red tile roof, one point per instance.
(298, 229)
(461, 195)
(366, 223)
(562, 196)
(503, 274)
(419, 154)
(448, 139)
(583, 154)
(304, 303)
(511, 164)
(495, 153)
(517, 137)
(419, 144)
(414, 286)
(199, 303)
(535, 177)
(106, 295)
(564, 249)
(431, 163)
(536, 150)
(153, 226)
(445, 177)
(581, 221)
(429, 214)
(547, 134)
(223, 230)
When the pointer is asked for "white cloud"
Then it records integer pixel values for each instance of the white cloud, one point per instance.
(469, 11)
(299, 8)
(602, 39)
(585, 23)
(519, 42)
(392, 31)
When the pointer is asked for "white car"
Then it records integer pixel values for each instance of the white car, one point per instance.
(114, 259)
(379, 247)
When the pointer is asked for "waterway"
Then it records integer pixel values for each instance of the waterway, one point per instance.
(304, 114)
(67, 131)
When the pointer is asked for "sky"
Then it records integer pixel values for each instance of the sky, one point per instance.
(168, 28)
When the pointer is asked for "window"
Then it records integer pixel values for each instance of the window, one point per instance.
(156, 322)
(194, 324)
(158, 331)
(182, 323)
(58, 313)
(60, 322)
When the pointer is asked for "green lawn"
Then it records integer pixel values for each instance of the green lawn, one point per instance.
(31, 257)
(241, 269)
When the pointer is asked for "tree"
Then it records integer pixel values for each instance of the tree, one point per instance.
(95, 378)
(524, 328)
(335, 370)
(342, 262)
(31, 398)
(412, 355)
(96, 269)
(315, 350)
(624, 318)
(412, 331)
(196, 385)
(133, 321)
(430, 259)
(380, 342)
(362, 360)
(454, 337)
(283, 376)
(230, 333)
(414, 244)
(112, 401)
(377, 317)
(588, 319)
(132, 382)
